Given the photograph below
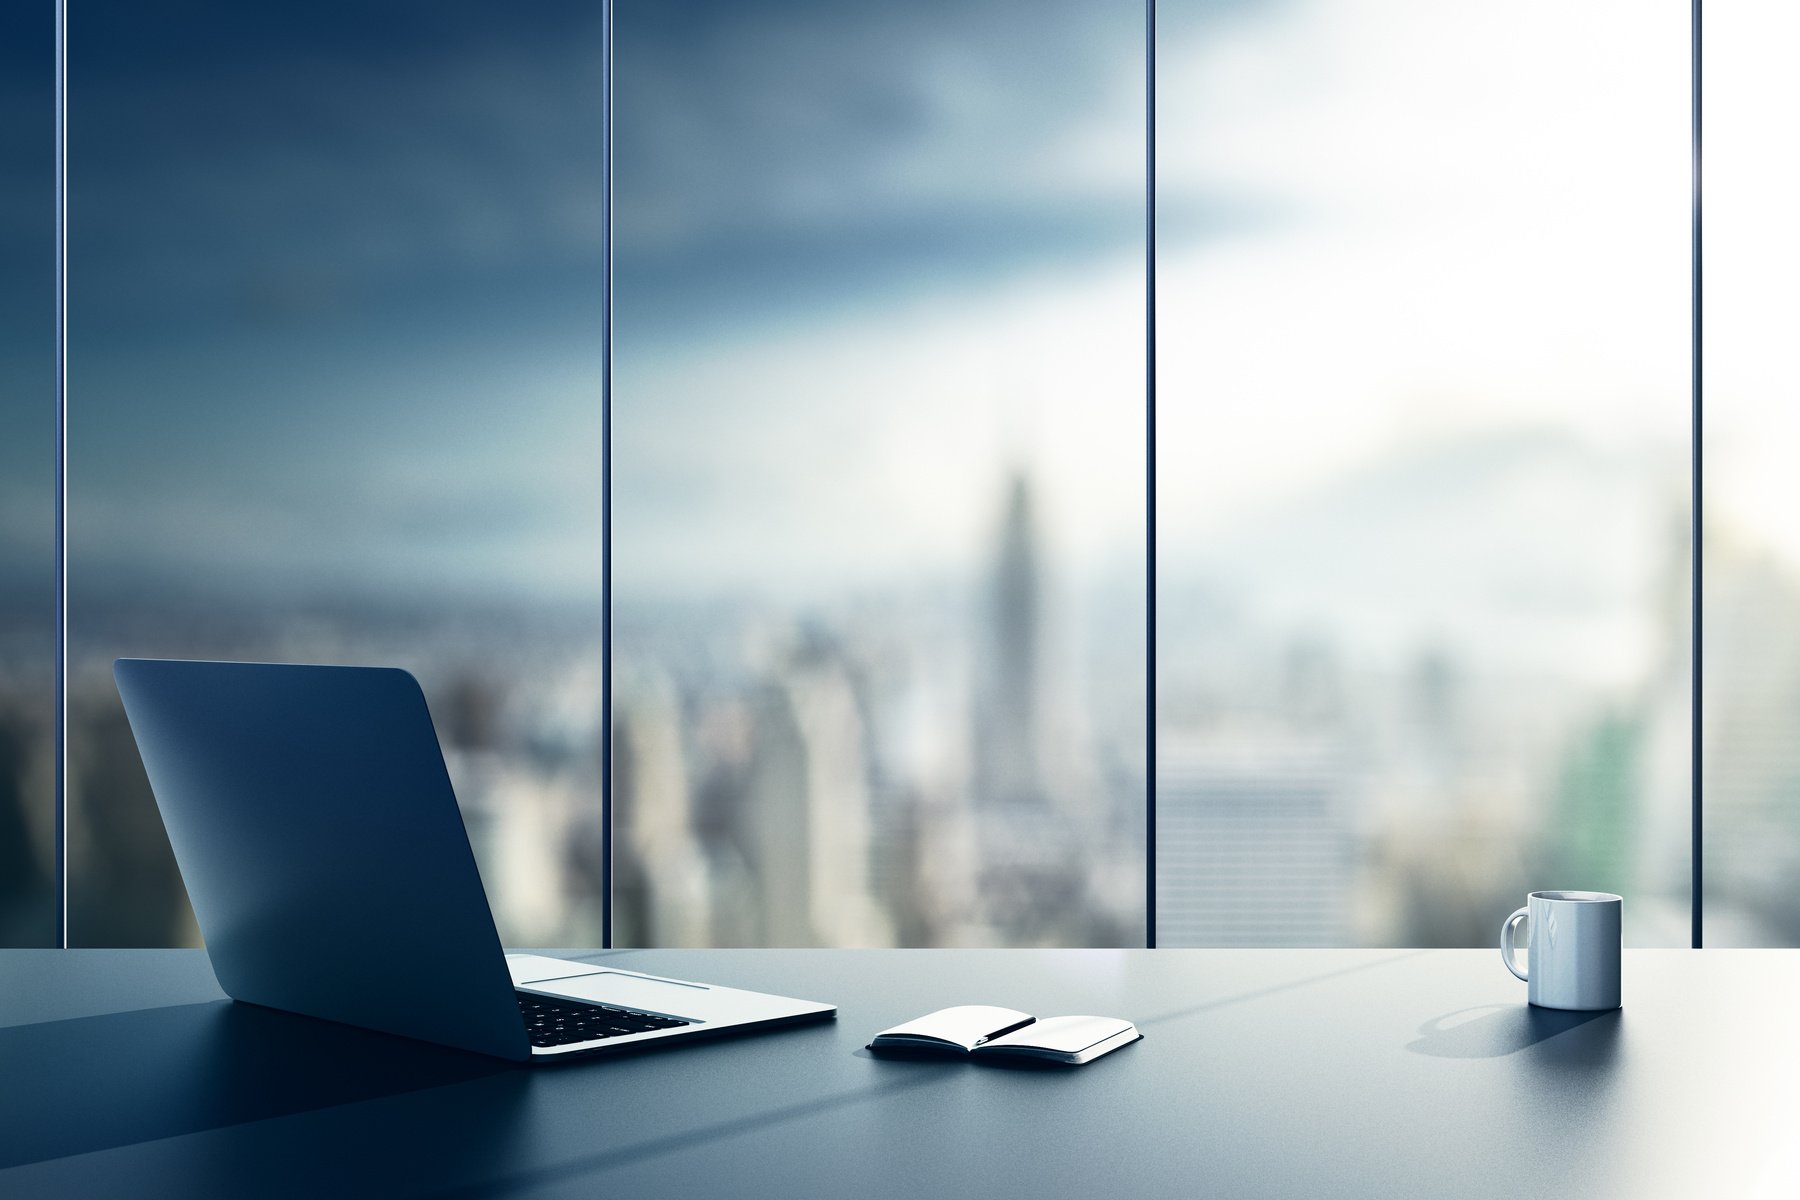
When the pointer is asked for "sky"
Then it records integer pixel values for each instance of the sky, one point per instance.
(26, 313)
(336, 306)
(1423, 312)
(1752, 258)
(335, 275)
(335, 314)
(1441, 401)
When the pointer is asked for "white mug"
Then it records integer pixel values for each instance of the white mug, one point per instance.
(1573, 960)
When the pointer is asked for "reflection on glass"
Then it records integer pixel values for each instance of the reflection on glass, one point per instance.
(27, 464)
(878, 437)
(1751, 667)
(336, 339)
(1423, 446)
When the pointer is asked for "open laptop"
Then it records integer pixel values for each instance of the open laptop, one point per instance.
(326, 860)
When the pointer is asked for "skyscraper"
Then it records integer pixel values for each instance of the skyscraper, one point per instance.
(1009, 709)
(806, 808)
(660, 882)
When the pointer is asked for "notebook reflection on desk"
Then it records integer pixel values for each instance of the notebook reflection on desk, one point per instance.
(981, 1031)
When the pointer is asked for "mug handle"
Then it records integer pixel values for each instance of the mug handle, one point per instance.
(1507, 949)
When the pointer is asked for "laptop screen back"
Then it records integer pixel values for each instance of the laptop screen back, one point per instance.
(320, 841)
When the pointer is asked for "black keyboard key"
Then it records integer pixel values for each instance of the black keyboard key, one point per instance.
(552, 1021)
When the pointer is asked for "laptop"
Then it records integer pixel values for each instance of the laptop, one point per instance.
(315, 827)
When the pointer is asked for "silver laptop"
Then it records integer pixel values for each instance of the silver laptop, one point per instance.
(327, 863)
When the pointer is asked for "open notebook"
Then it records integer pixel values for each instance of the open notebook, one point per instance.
(982, 1031)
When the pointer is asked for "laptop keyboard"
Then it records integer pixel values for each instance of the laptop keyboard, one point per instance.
(553, 1021)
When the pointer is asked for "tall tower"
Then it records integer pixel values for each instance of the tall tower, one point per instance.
(660, 879)
(806, 809)
(1010, 703)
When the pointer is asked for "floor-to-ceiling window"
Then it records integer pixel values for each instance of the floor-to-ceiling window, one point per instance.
(1423, 462)
(27, 475)
(335, 285)
(878, 437)
(878, 454)
(1750, 702)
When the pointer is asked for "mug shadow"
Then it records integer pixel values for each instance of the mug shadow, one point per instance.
(1497, 1030)
(93, 1083)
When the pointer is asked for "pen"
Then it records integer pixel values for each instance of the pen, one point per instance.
(986, 1038)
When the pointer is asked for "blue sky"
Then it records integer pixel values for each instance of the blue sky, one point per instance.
(335, 268)
(26, 314)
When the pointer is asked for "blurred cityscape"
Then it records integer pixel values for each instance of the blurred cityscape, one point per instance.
(920, 768)
(792, 782)
(1312, 792)
(516, 700)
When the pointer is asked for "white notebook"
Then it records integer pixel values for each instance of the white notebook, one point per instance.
(982, 1031)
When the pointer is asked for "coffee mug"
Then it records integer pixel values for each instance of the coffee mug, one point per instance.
(1575, 941)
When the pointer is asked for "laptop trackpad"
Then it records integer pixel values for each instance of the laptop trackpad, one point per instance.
(631, 991)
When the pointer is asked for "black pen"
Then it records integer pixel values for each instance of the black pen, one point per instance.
(986, 1038)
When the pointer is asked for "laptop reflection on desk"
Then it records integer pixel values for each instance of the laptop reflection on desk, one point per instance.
(316, 830)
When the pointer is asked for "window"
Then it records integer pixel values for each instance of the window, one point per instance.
(878, 494)
(1423, 436)
(1751, 676)
(335, 396)
(27, 458)
(879, 651)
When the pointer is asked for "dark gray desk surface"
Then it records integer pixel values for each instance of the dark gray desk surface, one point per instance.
(1262, 1073)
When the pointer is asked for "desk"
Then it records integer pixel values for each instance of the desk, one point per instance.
(1262, 1073)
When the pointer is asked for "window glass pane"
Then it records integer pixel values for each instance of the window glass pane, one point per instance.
(335, 397)
(1751, 665)
(1423, 524)
(27, 474)
(878, 473)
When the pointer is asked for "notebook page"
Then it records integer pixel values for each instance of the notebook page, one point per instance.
(963, 1026)
(1062, 1035)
